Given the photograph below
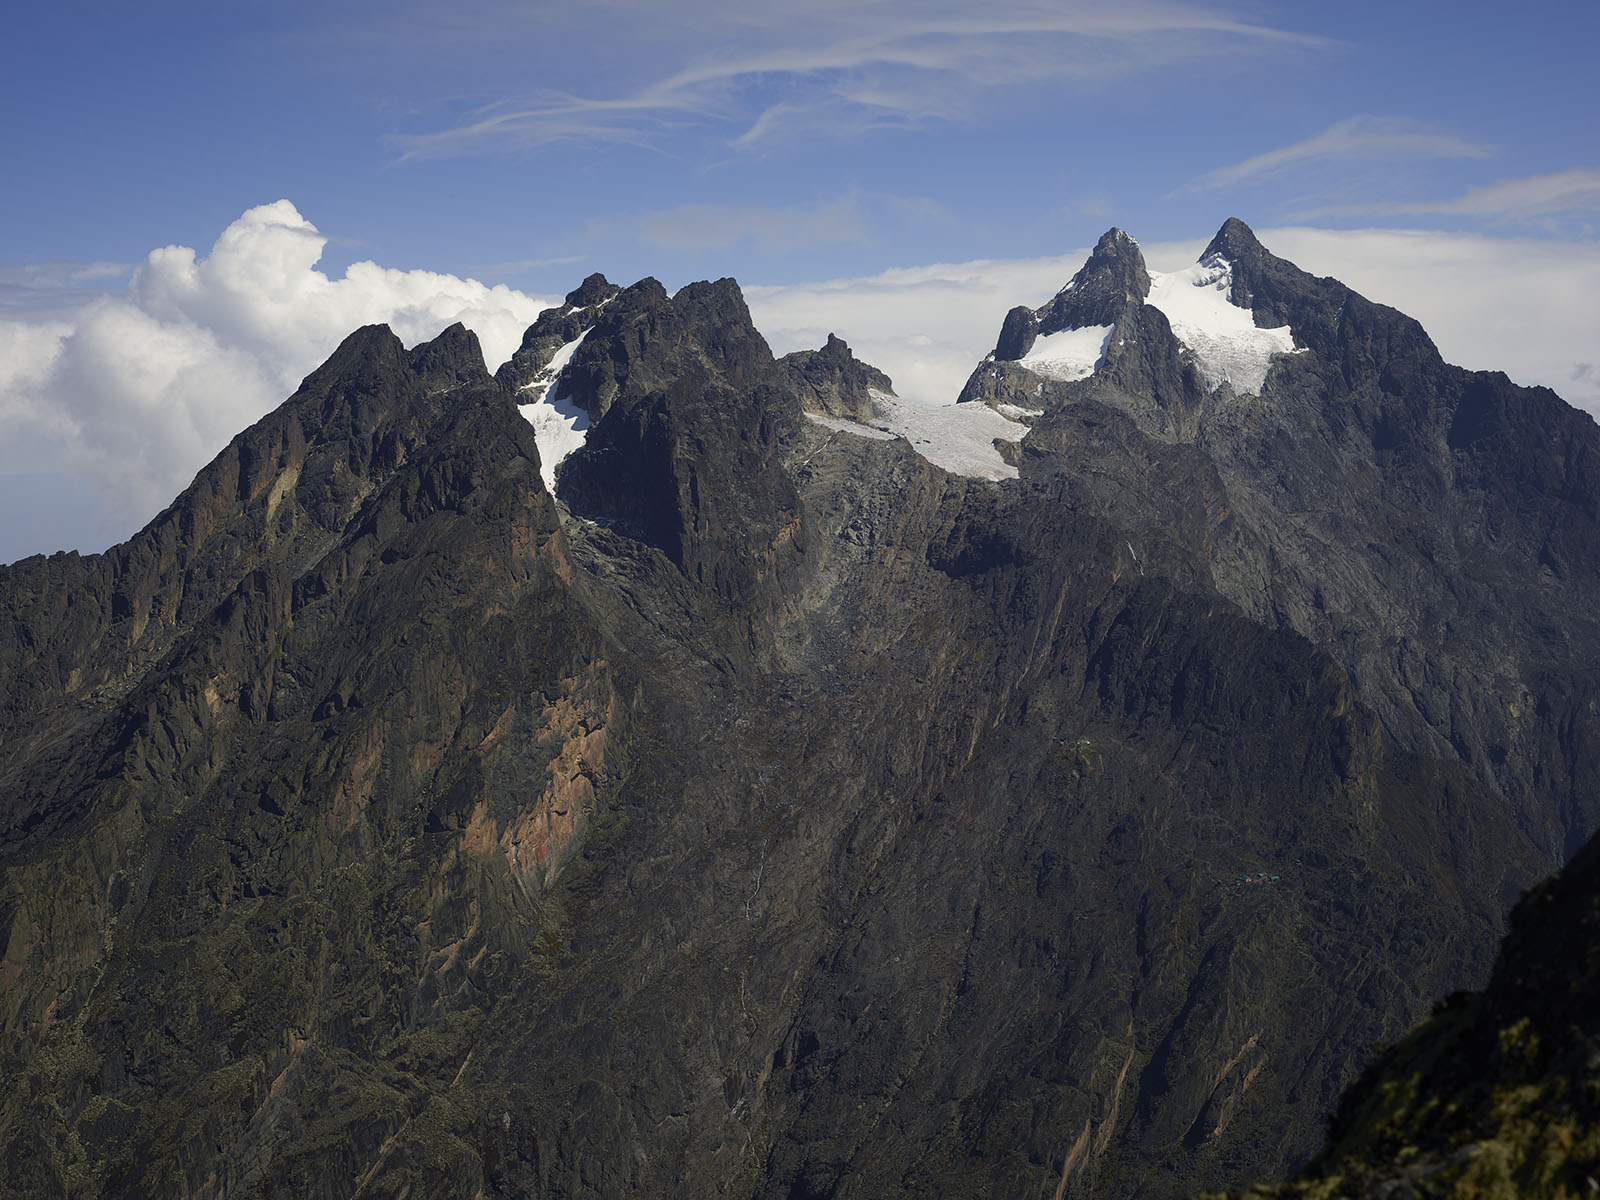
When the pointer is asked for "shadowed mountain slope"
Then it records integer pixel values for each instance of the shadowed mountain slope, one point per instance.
(1498, 1093)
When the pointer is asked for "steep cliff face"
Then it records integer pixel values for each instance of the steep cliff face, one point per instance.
(1498, 1093)
(769, 812)
(279, 803)
(1430, 528)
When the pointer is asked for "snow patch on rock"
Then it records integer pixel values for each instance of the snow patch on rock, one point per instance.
(560, 426)
(1226, 344)
(959, 438)
(840, 425)
(1068, 354)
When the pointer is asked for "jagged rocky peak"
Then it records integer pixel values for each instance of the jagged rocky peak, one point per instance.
(596, 289)
(556, 329)
(687, 406)
(1234, 243)
(834, 382)
(628, 345)
(372, 361)
(1236, 249)
(1113, 278)
(454, 357)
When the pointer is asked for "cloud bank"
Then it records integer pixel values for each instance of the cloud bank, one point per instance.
(134, 392)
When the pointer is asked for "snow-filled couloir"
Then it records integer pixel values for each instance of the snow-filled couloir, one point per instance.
(560, 425)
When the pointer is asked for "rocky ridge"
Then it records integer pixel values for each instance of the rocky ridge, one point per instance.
(768, 812)
(832, 381)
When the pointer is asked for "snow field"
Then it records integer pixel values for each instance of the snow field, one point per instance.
(1223, 337)
(559, 425)
(1070, 354)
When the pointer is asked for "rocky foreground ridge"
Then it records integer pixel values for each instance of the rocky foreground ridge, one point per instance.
(1498, 1093)
(769, 812)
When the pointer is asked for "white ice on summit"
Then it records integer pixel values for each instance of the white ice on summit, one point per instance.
(1068, 354)
(1222, 336)
(559, 425)
(958, 438)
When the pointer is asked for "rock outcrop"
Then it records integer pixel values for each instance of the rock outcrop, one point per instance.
(835, 383)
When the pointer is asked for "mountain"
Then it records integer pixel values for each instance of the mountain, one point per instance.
(1494, 1095)
(661, 768)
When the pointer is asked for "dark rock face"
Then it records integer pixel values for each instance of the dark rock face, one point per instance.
(690, 412)
(772, 814)
(1102, 290)
(1382, 530)
(832, 381)
(554, 329)
(1494, 1095)
(596, 289)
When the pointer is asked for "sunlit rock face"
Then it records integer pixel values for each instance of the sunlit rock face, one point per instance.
(664, 769)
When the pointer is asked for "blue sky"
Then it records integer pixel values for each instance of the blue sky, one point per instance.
(527, 144)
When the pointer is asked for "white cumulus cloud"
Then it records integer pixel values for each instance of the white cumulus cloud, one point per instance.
(135, 391)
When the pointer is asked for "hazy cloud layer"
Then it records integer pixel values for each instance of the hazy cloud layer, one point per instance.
(134, 392)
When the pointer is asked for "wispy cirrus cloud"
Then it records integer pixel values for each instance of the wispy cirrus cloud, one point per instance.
(60, 273)
(1363, 137)
(1554, 194)
(843, 68)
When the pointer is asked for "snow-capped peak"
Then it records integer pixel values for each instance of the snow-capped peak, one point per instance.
(1224, 339)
